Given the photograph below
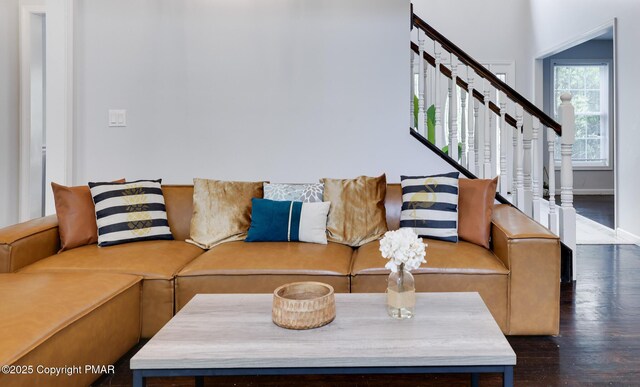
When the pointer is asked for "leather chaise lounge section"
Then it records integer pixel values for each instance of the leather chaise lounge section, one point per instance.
(65, 319)
(518, 278)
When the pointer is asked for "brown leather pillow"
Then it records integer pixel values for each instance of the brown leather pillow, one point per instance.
(475, 206)
(76, 215)
(357, 214)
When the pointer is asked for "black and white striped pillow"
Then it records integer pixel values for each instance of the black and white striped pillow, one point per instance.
(430, 205)
(130, 212)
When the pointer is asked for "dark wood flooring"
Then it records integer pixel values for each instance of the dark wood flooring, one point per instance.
(599, 208)
(599, 341)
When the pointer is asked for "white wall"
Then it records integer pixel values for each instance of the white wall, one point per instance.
(565, 20)
(285, 90)
(488, 30)
(8, 112)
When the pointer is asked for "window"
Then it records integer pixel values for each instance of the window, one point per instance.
(588, 83)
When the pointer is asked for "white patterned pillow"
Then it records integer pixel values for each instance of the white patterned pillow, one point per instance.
(306, 193)
(430, 205)
(129, 212)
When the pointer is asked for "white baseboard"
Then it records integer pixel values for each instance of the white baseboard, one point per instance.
(590, 191)
(628, 236)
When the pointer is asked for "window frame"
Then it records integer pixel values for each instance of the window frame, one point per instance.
(585, 165)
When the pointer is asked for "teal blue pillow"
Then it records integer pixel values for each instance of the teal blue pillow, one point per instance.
(288, 221)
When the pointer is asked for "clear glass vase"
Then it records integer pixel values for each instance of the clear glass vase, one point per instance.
(401, 294)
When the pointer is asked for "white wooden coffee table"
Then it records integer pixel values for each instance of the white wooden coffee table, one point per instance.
(217, 334)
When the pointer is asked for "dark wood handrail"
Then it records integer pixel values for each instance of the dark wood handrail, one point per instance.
(464, 85)
(486, 74)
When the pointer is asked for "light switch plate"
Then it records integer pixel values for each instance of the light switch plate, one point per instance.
(117, 117)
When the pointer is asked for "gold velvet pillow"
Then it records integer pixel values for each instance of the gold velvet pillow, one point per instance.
(357, 214)
(475, 206)
(221, 211)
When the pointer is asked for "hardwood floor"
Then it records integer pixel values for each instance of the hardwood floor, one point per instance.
(599, 341)
(599, 208)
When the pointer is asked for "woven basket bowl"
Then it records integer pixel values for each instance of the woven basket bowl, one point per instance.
(303, 305)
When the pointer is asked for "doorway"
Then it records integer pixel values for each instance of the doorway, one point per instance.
(33, 72)
(586, 69)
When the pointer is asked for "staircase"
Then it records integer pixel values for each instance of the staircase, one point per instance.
(484, 128)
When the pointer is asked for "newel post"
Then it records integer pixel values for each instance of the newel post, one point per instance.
(567, 212)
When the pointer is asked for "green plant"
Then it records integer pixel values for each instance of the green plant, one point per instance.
(431, 124)
(431, 119)
(445, 149)
(416, 110)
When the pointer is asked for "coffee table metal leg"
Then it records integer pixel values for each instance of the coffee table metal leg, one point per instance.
(508, 376)
(475, 380)
(199, 381)
(138, 379)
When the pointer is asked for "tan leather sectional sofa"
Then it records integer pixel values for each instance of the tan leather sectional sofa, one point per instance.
(519, 278)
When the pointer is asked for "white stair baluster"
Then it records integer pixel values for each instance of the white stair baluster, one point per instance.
(553, 216)
(453, 110)
(526, 147)
(412, 93)
(471, 153)
(438, 94)
(480, 138)
(519, 162)
(494, 119)
(446, 124)
(486, 162)
(536, 162)
(422, 127)
(504, 146)
(514, 162)
(567, 211)
(475, 152)
(425, 103)
(463, 129)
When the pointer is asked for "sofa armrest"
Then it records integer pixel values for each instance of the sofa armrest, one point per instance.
(27, 242)
(532, 254)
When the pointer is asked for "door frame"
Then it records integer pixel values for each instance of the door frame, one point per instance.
(24, 30)
(60, 112)
(538, 80)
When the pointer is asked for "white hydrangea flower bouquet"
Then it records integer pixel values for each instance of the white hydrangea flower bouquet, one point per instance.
(403, 247)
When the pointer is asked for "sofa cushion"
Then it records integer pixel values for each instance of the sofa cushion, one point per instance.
(287, 221)
(475, 206)
(430, 205)
(150, 259)
(178, 200)
(156, 261)
(65, 319)
(260, 267)
(306, 193)
(272, 258)
(450, 267)
(76, 215)
(357, 213)
(442, 257)
(221, 211)
(130, 212)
